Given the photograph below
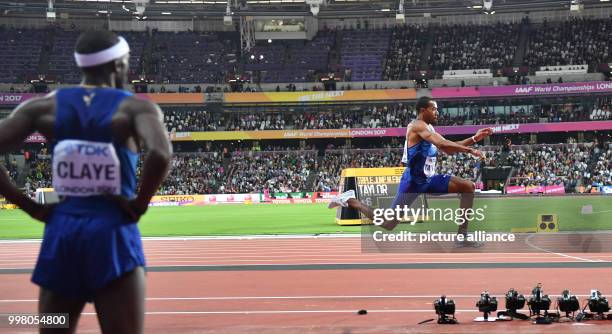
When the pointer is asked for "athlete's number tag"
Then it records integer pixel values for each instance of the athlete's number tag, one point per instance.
(430, 166)
(85, 168)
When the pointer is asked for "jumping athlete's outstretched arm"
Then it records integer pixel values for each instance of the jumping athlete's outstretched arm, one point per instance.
(149, 126)
(25, 119)
(422, 130)
(480, 135)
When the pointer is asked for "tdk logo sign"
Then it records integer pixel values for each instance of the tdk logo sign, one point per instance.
(87, 150)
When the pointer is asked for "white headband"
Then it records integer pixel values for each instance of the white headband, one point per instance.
(102, 57)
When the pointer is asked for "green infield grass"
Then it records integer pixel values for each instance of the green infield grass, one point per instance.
(501, 214)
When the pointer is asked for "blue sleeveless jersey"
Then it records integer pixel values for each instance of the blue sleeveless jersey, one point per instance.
(420, 177)
(86, 114)
(89, 241)
(421, 162)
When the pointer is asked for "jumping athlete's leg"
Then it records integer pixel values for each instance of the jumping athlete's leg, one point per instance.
(406, 194)
(402, 198)
(121, 304)
(466, 190)
(51, 302)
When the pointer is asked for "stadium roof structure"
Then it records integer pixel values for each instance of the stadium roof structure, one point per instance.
(189, 9)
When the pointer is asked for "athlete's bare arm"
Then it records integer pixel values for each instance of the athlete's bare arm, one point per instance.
(480, 135)
(149, 128)
(136, 121)
(34, 115)
(419, 130)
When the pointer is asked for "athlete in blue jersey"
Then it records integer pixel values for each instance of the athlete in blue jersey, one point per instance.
(420, 151)
(91, 250)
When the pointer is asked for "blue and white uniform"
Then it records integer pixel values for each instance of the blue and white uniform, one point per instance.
(89, 240)
(420, 174)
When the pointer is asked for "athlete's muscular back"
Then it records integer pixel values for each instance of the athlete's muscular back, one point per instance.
(136, 124)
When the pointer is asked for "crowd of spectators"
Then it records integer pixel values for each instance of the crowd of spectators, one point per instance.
(328, 175)
(578, 41)
(278, 169)
(276, 172)
(11, 167)
(389, 116)
(256, 121)
(381, 116)
(602, 110)
(326, 120)
(461, 47)
(39, 175)
(189, 120)
(601, 168)
(547, 165)
(405, 50)
(200, 173)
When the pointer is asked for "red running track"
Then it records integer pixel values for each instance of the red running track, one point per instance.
(191, 297)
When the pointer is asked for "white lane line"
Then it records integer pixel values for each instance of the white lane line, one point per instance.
(252, 237)
(601, 211)
(246, 312)
(152, 264)
(354, 260)
(229, 237)
(528, 242)
(288, 297)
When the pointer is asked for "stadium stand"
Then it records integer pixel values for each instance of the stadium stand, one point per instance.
(277, 171)
(60, 49)
(291, 61)
(192, 173)
(462, 47)
(20, 53)
(573, 165)
(405, 50)
(578, 41)
(396, 114)
(458, 51)
(363, 53)
(192, 57)
(178, 120)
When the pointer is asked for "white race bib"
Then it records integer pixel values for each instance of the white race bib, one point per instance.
(429, 169)
(84, 168)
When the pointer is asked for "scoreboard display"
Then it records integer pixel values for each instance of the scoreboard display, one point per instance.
(375, 187)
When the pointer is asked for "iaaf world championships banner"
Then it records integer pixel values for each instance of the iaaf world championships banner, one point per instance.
(523, 90)
(360, 95)
(369, 133)
(388, 132)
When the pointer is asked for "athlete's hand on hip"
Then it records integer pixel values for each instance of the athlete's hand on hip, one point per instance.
(131, 207)
(483, 133)
(40, 212)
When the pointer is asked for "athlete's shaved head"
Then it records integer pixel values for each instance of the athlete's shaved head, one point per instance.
(422, 103)
(94, 41)
(427, 109)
